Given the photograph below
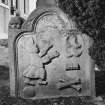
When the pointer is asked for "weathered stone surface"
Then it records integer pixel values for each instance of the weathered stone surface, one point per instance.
(56, 56)
(29, 91)
(53, 59)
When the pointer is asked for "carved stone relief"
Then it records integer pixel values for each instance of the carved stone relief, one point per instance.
(51, 61)
(16, 22)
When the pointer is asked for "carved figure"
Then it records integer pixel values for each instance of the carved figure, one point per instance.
(35, 69)
(44, 42)
(17, 21)
(42, 51)
(74, 44)
(74, 49)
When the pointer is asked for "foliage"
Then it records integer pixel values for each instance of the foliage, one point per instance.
(89, 16)
(97, 51)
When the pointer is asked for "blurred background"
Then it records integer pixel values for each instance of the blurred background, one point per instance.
(7, 10)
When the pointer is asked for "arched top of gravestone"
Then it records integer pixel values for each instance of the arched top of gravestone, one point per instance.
(42, 11)
(42, 7)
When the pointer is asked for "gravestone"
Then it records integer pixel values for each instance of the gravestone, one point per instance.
(49, 57)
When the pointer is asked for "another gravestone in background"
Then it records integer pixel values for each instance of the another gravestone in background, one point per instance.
(50, 57)
(14, 28)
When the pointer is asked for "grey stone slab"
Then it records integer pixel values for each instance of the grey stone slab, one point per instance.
(50, 57)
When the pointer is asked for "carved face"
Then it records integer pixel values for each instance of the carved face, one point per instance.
(74, 45)
(43, 40)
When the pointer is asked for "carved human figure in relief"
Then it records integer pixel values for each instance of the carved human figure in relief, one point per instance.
(74, 44)
(36, 69)
(42, 51)
(45, 42)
